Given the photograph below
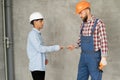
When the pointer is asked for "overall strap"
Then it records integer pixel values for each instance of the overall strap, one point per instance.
(93, 29)
(82, 28)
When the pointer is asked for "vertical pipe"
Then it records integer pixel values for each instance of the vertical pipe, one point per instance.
(4, 35)
(9, 35)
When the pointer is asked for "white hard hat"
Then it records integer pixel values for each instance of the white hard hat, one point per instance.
(35, 15)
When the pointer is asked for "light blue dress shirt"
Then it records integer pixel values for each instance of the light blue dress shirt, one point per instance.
(36, 51)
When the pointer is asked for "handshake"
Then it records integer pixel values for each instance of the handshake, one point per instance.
(69, 47)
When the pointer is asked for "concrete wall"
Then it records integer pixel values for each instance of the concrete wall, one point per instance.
(62, 27)
(2, 69)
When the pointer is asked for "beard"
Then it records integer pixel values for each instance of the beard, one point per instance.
(85, 18)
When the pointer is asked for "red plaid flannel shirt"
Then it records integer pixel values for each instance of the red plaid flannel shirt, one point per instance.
(100, 37)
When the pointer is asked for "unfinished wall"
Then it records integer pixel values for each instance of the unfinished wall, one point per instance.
(62, 27)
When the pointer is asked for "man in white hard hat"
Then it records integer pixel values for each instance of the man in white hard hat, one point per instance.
(36, 50)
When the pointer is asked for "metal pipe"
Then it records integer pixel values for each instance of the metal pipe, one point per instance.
(9, 39)
(4, 35)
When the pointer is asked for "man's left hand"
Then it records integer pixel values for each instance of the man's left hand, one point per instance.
(103, 63)
(46, 61)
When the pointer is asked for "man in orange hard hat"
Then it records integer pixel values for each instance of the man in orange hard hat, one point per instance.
(93, 43)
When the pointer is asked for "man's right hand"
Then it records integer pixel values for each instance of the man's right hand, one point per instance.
(61, 47)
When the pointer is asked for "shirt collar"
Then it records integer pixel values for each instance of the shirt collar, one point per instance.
(92, 19)
(36, 30)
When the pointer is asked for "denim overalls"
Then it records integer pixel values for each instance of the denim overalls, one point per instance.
(89, 59)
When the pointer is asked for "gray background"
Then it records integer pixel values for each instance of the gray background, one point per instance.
(61, 27)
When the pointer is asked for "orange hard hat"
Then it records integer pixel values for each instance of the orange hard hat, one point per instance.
(82, 5)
